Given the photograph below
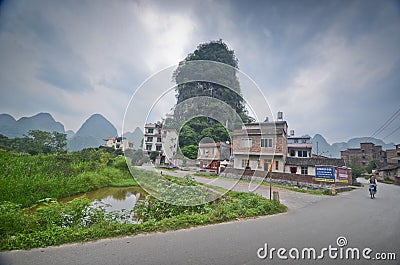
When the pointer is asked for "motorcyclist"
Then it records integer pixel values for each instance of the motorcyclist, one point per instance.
(372, 180)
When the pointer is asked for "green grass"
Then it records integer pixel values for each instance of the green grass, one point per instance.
(25, 180)
(315, 192)
(48, 226)
(165, 169)
(211, 176)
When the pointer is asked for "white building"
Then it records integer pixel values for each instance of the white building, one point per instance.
(152, 138)
(118, 143)
(300, 159)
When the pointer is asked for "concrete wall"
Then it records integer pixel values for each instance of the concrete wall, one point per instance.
(297, 180)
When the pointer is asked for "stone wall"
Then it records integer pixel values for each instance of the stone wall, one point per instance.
(287, 179)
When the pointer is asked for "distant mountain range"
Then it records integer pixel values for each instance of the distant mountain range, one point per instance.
(91, 134)
(96, 128)
(17, 128)
(322, 147)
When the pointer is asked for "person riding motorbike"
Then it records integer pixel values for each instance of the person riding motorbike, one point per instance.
(372, 180)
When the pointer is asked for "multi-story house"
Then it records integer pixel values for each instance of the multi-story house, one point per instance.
(152, 138)
(299, 146)
(300, 159)
(391, 171)
(256, 145)
(210, 155)
(393, 155)
(169, 138)
(362, 156)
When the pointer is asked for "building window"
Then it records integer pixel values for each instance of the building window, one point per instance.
(245, 163)
(150, 130)
(158, 139)
(148, 147)
(304, 170)
(292, 152)
(266, 143)
(246, 142)
(149, 139)
(158, 148)
(276, 165)
(293, 170)
(302, 153)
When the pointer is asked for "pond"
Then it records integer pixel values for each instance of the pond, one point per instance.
(113, 199)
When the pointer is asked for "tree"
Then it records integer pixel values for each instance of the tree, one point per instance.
(227, 89)
(59, 142)
(216, 51)
(137, 157)
(42, 142)
(356, 172)
(190, 151)
(371, 165)
(153, 155)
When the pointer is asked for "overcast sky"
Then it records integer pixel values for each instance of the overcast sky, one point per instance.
(332, 67)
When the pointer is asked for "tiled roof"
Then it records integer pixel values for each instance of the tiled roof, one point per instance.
(313, 161)
(389, 167)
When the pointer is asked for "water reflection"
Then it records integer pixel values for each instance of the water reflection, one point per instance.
(115, 198)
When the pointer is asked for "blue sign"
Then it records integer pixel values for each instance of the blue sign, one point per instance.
(325, 173)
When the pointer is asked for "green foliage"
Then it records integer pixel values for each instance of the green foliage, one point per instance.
(371, 165)
(36, 142)
(227, 89)
(190, 151)
(153, 155)
(198, 128)
(137, 157)
(56, 223)
(27, 179)
(356, 172)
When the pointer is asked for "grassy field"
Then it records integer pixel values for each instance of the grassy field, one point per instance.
(26, 180)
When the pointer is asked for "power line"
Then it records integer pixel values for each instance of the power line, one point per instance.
(398, 128)
(386, 124)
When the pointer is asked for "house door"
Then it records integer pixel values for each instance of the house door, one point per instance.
(266, 165)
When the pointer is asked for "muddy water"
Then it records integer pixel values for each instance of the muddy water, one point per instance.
(115, 198)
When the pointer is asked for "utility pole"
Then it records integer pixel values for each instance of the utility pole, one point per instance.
(270, 179)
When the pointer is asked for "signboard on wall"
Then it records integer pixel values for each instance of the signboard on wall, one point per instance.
(342, 175)
(325, 173)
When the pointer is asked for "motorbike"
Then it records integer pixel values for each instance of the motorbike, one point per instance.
(372, 190)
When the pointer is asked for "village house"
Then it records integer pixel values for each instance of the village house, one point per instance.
(300, 159)
(391, 171)
(393, 155)
(361, 157)
(118, 143)
(307, 166)
(256, 145)
(211, 155)
(152, 138)
(168, 155)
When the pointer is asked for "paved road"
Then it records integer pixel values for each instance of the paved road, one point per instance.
(363, 221)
